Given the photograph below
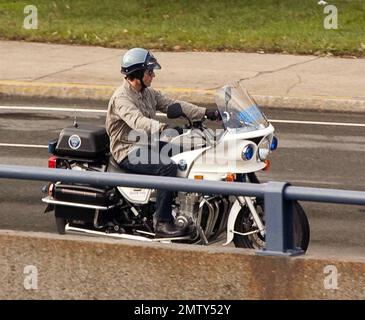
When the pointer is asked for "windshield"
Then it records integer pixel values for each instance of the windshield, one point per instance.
(238, 109)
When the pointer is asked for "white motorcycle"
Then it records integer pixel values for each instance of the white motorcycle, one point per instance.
(234, 153)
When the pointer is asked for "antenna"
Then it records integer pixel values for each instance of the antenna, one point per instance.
(75, 124)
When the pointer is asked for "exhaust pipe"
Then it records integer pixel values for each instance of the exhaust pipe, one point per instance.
(75, 230)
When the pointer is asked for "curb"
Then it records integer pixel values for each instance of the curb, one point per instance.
(91, 92)
(190, 272)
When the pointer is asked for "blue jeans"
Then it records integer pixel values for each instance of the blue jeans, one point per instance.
(164, 167)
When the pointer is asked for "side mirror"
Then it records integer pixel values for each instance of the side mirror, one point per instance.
(174, 111)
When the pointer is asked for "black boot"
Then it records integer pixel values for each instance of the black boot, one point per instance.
(168, 230)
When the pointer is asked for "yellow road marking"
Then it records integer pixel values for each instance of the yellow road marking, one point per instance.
(166, 89)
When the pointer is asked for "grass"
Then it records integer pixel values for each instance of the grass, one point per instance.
(288, 26)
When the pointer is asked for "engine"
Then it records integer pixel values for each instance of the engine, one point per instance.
(188, 208)
(207, 213)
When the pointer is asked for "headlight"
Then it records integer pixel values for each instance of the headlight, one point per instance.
(247, 153)
(264, 149)
(274, 143)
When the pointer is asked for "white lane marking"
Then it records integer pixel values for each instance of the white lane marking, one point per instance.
(159, 114)
(52, 109)
(343, 124)
(19, 145)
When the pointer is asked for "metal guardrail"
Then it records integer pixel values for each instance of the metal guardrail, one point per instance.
(278, 196)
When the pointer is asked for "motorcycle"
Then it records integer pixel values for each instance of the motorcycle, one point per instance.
(234, 153)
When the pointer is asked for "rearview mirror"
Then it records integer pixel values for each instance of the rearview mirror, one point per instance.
(174, 111)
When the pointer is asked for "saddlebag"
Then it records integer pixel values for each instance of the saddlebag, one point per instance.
(83, 203)
(83, 141)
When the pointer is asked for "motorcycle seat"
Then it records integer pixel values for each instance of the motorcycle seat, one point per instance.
(114, 167)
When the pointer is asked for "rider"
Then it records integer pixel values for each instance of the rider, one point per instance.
(133, 106)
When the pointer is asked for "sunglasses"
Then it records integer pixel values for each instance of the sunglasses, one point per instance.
(150, 72)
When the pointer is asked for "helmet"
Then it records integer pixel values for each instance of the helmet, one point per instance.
(138, 59)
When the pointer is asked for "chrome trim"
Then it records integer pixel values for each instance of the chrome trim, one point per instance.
(76, 230)
(255, 215)
(145, 232)
(246, 233)
(202, 235)
(74, 204)
(96, 218)
(69, 229)
(171, 239)
(210, 220)
(216, 215)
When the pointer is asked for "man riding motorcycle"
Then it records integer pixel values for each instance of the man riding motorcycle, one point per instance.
(133, 106)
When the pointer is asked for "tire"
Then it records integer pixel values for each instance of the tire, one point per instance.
(257, 241)
(60, 225)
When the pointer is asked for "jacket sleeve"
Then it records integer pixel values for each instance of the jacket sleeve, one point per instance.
(191, 110)
(133, 117)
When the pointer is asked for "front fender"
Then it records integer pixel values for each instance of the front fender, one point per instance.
(233, 213)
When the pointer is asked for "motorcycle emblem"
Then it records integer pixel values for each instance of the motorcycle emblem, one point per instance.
(182, 165)
(74, 142)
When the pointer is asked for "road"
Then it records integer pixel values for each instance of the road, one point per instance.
(318, 155)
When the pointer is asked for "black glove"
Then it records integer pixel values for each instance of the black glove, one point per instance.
(213, 114)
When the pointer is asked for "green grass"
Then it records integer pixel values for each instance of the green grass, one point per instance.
(291, 26)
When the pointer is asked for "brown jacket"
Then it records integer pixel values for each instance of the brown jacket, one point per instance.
(131, 110)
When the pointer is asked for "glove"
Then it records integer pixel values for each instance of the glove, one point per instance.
(213, 114)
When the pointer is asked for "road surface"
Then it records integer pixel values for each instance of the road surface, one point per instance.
(310, 153)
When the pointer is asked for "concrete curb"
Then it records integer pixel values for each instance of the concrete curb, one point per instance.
(74, 267)
(74, 91)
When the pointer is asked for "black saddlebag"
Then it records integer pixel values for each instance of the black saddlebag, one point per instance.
(82, 203)
(83, 141)
(81, 215)
(103, 197)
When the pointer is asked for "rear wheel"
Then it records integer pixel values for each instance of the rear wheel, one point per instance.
(60, 224)
(245, 223)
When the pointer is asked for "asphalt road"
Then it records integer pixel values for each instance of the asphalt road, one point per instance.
(308, 155)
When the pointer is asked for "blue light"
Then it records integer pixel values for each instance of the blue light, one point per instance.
(52, 146)
(247, 153)
(274, 143)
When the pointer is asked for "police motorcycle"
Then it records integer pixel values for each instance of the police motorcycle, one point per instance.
(235, 153)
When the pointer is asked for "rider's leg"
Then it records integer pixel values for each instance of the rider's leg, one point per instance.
(159, 167)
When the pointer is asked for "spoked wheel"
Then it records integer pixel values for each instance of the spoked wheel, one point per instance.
(245, 223)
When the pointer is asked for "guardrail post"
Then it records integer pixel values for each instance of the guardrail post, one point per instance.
(279, 222)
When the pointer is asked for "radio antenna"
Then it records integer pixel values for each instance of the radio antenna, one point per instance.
(75, 124)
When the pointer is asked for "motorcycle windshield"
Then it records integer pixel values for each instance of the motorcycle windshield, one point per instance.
(238, 109)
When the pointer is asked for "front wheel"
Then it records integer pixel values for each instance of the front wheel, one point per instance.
(245, 223)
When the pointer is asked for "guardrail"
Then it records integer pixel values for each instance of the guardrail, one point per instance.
(278, 196)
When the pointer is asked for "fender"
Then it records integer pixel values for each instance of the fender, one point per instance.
(233, 213)
(238, 204)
